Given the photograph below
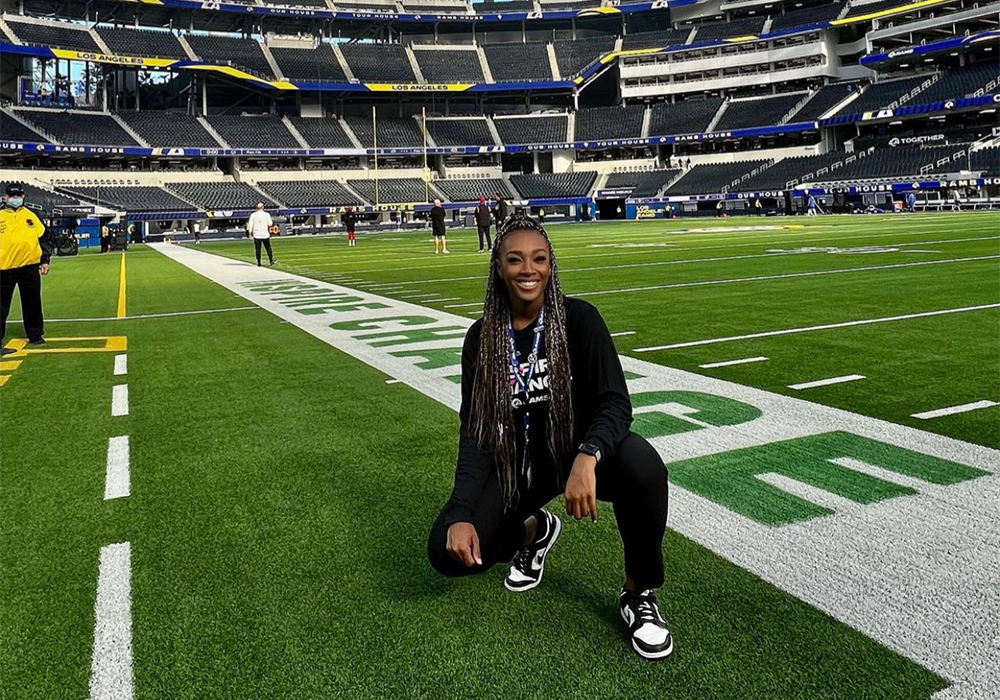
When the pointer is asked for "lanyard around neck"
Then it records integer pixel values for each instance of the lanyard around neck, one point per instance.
(523, 382)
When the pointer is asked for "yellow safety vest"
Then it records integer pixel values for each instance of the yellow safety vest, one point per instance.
(20, 230)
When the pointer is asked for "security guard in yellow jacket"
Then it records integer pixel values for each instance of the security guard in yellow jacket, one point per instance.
(25, 250)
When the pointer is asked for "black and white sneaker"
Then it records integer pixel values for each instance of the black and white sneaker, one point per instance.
(650, 637)
(529, 562)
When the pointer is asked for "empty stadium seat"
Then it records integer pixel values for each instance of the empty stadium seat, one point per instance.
(130, 198)
(63, 35)
(881, 95)
(242, 53)
(552, 185)
(573, 56)
(80, 128)
(391, 133)
(169, 129)
(310, 193)
(650, 183)
(449, 66)
(406, 190)
(656, 39)
(518, 62)
(823, 12)
(609, 122)
(460, 132)
(787, 170)
(726, 30)
(378, 63)
(744, 114)
(712, 178)
(254, 131)
(472, 189)
(957, 83)
(126, 41)
(13, 130)
(825, 99)
(220, 195)
(524, 130)
(317, 65)
(691, 116)
(322, 132)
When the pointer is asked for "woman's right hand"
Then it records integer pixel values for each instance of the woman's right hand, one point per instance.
(463, 544)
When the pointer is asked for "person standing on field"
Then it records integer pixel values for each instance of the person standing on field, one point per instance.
(437, 227)
(500, 212)
(483, 218)
(25, 251)
(259, 229)
(350, 220)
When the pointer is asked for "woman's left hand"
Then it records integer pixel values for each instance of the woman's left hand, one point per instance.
(581, 488)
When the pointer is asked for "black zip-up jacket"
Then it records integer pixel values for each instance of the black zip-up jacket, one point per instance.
(500, 212)
(602, 411)
(350, 220)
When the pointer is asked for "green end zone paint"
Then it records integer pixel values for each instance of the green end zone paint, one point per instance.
(889, 529)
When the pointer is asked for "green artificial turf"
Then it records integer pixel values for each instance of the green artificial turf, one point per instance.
(282, 492)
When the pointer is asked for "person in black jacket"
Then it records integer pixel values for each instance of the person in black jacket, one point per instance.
(500, 212)
(350, 220)
(545, 411)
(437, 227)
(483, 219)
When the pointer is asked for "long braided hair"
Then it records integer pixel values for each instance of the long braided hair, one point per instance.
(492, 412)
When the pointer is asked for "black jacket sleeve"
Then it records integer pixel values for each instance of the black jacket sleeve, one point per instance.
(473, 461)
(46, 244)
(597, 372)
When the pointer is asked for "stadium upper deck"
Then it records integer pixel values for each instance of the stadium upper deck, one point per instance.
(803, 93)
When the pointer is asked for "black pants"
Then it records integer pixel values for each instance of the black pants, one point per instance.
(266, 242)
(29, 281)
(634, 481)
(484, 233)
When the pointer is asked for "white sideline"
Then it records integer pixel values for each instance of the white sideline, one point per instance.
(728, 363)
(621, 334)
(808, 329)
(116, 478)
(121, 365)
(827, 382)
(164, 315)
(952, 410)
(111, 676)
(119, 400)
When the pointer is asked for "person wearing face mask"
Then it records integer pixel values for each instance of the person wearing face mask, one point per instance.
(25, 251)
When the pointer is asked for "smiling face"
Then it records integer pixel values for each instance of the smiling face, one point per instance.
(525, 265)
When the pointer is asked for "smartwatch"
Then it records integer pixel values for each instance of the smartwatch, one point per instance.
(589, 448)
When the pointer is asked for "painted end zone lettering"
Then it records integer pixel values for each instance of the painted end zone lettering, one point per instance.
(864, 519)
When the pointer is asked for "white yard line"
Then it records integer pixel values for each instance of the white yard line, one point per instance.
(621, 334)
(686, 261)
(119, 400)
(789, 275)
(121, 365)
(729, 363)
(164, 315)
(393, 381)
(618, 253)
(809, 329)
(827, 382)
(111, 676)
(116, 479)
(952, 410)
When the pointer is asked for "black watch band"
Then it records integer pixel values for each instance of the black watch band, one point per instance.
(589, 448)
